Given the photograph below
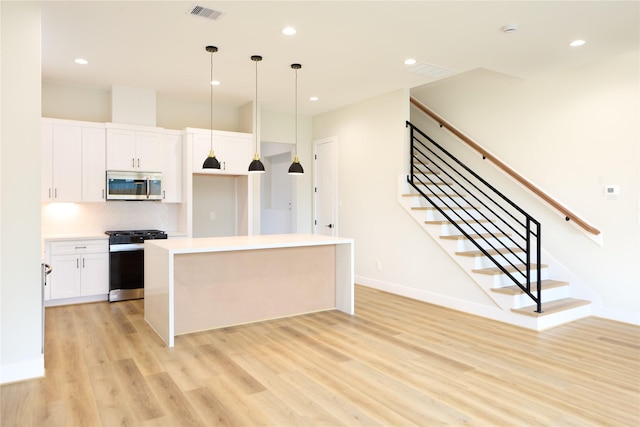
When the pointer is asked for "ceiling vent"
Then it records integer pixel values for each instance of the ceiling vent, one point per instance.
(204, 12)
(429, 70)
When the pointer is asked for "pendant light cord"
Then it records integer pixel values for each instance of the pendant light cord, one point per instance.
(255, 130)
(296, 106)
(211, 104)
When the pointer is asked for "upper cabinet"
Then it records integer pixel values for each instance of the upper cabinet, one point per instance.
(232, 149)
(73, 161)
(172, 169)
(131, 149)
(93, 164)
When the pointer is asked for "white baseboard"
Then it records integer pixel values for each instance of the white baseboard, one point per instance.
(437, 299)
(27, 370)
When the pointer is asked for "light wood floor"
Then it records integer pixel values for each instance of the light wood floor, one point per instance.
(397, 362)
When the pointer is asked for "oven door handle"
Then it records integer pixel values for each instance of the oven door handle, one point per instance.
(126, 247)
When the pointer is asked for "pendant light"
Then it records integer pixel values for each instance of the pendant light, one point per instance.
(211, 162)
(256, 165)
(296, 167)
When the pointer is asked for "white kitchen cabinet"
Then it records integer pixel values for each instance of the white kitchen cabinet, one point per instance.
(172, 169)
(80, 268)
(61, 163)
(232, 149)
(134, 150)
(73, 161)
(93, 164)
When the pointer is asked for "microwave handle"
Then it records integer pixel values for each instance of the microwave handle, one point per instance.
(148, 187)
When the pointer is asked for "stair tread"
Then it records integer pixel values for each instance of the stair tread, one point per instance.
(551, 307)
(515, 290)
(478, 252)
(509, 268)
(473, 236)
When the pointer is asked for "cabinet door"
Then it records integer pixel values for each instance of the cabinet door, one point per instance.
(201, 147)
(67, 163)
(148, 151)
(93, 164)
(46, 193)
(172, 170)
(121, 150)
(94, 274)
(65, 276)
(237, 153)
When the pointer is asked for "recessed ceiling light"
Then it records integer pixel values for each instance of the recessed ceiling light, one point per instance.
(410, 61)
(81, 61)
(577, 43)
(288, 31)
(215, 83)
(313, 98)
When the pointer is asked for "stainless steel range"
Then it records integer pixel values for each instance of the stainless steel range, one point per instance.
(126, 262)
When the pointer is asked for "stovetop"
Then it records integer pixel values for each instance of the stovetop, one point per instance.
(134, 236)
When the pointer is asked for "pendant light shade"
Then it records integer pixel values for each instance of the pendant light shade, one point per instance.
(296, 167)
(256, 165)
(211, 162)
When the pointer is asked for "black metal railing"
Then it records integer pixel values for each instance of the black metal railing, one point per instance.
(507, 235)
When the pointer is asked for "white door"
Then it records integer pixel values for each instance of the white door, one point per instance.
(325, 184)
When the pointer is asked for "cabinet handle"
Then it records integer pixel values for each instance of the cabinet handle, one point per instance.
(164, 195)
(133, 162)
(55, 193)
(138, 162)
(82, 262)
(77, 262)
(49, 192)
(81, 247)
(103, 193)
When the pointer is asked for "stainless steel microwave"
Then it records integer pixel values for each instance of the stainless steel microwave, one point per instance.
(123, 185)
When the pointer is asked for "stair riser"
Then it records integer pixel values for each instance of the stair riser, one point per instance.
(523, 300)
(435, 186)
(471, 227)
(502, 280)
(547, 295)
(452, 201)
(435, 215)
(502, 259)
(466, 245)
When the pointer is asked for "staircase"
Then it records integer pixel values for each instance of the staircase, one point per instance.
(498, 254)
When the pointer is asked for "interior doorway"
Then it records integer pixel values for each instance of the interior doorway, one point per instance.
(277, 201)
(325, 184)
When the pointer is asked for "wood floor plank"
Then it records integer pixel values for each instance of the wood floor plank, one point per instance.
(397, 362)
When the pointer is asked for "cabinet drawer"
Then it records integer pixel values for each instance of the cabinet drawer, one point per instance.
(79, 247)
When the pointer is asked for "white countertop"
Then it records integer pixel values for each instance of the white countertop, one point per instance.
(98, 236)
(239, 243)
(62, 237)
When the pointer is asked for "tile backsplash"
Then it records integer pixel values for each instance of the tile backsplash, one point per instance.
(96, 218)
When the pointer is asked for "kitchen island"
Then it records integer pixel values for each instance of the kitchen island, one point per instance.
(199, 284)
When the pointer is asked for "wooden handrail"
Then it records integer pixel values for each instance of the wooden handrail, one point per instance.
(485, 154)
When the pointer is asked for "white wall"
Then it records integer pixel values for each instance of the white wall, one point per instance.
(94, 105)
(570, 133)
(20, 289)
(371, 151)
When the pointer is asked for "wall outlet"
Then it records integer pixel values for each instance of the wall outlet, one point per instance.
(379, 265)
(212, 216)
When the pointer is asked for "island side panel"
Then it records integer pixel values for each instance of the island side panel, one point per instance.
(158, 276)
(217, 289)
(345, 278)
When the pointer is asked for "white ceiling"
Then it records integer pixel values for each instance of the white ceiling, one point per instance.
(349, 50)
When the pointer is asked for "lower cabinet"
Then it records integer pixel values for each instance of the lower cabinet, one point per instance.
(80, 268)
